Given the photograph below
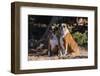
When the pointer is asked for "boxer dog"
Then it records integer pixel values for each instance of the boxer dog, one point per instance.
(52, 42)
(66, 42)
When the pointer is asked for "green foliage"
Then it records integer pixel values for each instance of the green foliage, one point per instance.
(81, 38)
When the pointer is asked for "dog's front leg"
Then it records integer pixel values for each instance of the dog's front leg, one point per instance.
(60, 53)
(49, 50)
(62, 50)
(66, 49)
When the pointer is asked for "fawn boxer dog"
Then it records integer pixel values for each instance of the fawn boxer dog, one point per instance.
(53, 42)
(66, 41)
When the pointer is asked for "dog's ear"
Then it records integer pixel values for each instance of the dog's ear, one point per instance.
(58, 25)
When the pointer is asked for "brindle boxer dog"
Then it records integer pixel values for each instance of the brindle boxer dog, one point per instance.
(53, 42)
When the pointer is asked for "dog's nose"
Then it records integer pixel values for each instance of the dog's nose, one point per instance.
(64, 26)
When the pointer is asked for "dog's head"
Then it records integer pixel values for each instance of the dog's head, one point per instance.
(51, 31)
(63, 28)
(53, 28)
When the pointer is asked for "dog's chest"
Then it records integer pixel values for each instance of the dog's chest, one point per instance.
(53, 41)
(61, 41)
